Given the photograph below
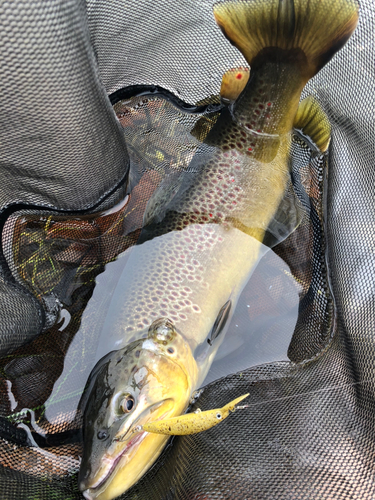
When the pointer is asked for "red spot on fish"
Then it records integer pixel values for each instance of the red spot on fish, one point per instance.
(249, 149)
(210, 215)
(269, 103)
(258, 130)
(239, 76)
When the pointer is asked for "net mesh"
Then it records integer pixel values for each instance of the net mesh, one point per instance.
(308, 432)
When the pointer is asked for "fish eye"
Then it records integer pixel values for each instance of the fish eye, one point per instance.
(170, 350)
(127, 404)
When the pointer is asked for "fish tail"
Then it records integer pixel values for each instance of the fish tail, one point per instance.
(315, 28)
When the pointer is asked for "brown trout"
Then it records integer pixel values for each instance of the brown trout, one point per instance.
(181, 282)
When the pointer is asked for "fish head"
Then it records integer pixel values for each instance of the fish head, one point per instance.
(148, 380)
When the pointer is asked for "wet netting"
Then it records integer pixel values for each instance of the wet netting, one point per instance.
(103, 107)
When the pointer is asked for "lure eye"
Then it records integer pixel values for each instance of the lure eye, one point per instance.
(219, 416)
(127, 404)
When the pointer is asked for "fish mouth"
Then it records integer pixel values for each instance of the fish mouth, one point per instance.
(137, 439)
(91, 492)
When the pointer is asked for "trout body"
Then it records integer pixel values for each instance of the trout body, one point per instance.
(181, 282)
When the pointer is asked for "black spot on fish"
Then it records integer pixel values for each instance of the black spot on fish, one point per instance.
(137, 353)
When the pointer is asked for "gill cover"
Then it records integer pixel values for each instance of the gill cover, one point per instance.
(149, 379)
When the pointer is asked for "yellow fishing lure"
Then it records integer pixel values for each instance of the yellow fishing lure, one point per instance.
(192, 423)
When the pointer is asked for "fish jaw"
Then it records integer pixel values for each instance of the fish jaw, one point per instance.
(124, 442)
(123, 471)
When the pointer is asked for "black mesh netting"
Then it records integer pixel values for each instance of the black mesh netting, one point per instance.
(302, 338)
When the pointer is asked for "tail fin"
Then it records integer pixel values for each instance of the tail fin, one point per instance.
(317, 27)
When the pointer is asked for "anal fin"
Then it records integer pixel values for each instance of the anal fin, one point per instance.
(312, 123)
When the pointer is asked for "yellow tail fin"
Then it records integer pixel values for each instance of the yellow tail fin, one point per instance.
(319, 28)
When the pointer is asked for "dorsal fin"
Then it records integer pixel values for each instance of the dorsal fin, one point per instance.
(313, 123)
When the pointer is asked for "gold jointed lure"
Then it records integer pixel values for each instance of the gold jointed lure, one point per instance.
(192, 423)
